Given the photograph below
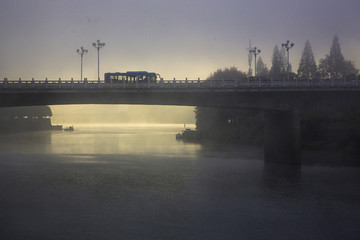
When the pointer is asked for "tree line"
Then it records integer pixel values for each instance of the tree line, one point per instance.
(332, 66)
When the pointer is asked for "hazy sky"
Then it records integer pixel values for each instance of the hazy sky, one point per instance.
(187, 38)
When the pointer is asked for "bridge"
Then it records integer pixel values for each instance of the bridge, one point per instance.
(281, 100)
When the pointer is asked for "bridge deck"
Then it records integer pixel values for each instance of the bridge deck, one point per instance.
(168, 84)
(281, 95)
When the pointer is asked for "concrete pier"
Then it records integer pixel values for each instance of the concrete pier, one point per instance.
(282, 137)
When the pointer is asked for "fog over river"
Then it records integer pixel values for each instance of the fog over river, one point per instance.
(138, 182)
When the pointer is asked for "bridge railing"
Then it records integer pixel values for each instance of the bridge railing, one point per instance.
(184, 83)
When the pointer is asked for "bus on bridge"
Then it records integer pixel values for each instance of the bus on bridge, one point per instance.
(131, 77)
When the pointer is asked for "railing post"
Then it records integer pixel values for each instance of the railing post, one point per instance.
(222, 83)
(186, 83)
(236, 83)
(344, 80)
(72, 83)
(319, 83)
(283, 82)
(148, 81)
(356, 82)
(248, 82)
(211, 83)
(259, 82)
(59, 83)
(111, 83)
(85, 82)
(99, 85)
(123, 81)
(296, 82)
(332, 82)
(32, 83)
(198, 82)
(46, 82)
(271, 81)
(162, 82)
(137, 82)
(174, 82)
(19, 82)
(5, 83)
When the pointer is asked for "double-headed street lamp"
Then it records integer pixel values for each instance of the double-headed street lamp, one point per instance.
(287, 46)
(98, 45)
(81, 51)
(255, 51)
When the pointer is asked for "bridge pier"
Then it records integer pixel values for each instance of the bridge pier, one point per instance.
(282, 137)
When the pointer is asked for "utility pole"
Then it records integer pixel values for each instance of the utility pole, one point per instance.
(255, 51)
(250, 58)
(81, 51)
(98, 45)
(287, 46)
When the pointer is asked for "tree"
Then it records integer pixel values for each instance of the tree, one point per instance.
(276, 67)
(334, 65)
(350, 70)
(307, 66)
(227, 74)
(336, 60)
(261, 69)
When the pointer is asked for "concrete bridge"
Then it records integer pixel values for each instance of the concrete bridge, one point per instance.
(281, 100)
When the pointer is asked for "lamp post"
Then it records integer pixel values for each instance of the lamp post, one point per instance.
(287, 47)
(81, 51)
(98, 45)
(255, 51)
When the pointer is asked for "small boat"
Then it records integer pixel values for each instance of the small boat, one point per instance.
(188, 134)
(69, 129)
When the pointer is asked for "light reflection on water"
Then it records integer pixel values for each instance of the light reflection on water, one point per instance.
(122, 139)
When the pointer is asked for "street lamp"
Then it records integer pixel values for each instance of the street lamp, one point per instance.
(98, 45)
(255, 51)
(81, 51)
(287, 46)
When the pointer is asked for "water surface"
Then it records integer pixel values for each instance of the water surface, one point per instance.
(138, 182)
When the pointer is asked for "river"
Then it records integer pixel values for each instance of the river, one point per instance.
(139, 182)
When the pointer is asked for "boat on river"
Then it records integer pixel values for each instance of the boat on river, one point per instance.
(188, 134)
(69, 129)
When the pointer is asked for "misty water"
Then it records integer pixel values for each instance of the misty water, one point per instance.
(139, 182)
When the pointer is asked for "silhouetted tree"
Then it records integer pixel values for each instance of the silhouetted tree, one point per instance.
(307, 66)
(227, 74)
(334, 65)
(350, 70)
(276, 67)
(261, 69)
